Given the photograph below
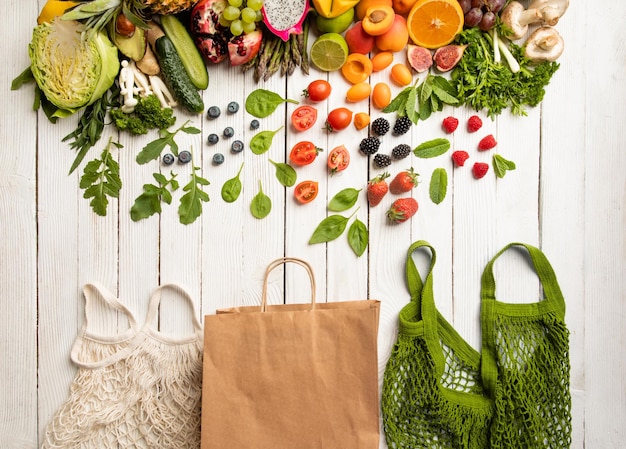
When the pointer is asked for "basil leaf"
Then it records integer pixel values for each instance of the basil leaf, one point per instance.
(358, 237)
(432, 148)
(285, 173)
(438, 185)
(232, 188)
(262, 102)
(344, 200)
(261, 204)
(262, 141)
(329, 229)
(501, 165)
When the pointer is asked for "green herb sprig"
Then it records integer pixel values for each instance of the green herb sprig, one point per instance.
(101, 180)
(153, 149)
(149, 202)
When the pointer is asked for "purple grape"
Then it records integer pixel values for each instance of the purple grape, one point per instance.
(465, 5)
(473, 17)
(488, 21)
(478, 3)
(494, 5)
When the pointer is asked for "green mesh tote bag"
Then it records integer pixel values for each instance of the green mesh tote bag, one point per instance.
(432, 392)
(525, 363)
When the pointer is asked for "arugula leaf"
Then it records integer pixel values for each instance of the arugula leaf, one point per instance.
(432, 148)
(261, 204)
(154, 149)
(438, 185)
(501, 165)
(149, 202)
(285, 173)
(190, 207)
(101, 179)
(232, 188)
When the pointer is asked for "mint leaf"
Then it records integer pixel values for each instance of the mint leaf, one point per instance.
(501, 165)
(101, 180)
(432, 148)
(438, 185)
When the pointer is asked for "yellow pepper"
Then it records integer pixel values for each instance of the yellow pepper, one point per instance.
(333, 8)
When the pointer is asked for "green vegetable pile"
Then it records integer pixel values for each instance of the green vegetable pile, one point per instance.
(148, 114)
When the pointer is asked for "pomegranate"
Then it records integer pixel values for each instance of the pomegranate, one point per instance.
(244, 47)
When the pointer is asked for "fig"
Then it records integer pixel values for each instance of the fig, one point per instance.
(447, 57)
(419, 58)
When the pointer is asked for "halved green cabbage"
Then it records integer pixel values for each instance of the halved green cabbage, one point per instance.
(72, 68)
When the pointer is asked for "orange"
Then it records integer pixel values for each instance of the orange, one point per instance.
(434, 23)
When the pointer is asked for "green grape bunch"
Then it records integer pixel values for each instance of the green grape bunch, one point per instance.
(241, 16)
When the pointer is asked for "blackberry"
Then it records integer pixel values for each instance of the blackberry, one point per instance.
(402, 125)
(369, 145)
(213, 112)
(218, 158)
(382, 160)
(184, 157)
(401, 151)
(380, 126)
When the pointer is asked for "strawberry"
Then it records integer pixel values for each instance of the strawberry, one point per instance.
(450, 124)
(459, 157)
(377, 188)
(487, 143)
(474, 123)
(480, 169)
(402, 209)
(404, 182)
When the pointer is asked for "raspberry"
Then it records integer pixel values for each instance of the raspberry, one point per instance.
(487, 143)
(400, 151)
(380, 126)
(474, 123)
(459, 158)
(402, 125)
(369, 145)
(382, 160)
(480, 169)
(450, 124)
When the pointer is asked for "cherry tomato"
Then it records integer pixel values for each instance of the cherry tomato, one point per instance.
(303, 117)
(338, 159)
(338, 119)
(306, 191)
(303, 153)
(318, 90)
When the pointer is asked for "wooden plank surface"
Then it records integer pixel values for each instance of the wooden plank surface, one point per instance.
(566, 196)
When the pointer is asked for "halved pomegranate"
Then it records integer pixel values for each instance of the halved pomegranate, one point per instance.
(244, 47)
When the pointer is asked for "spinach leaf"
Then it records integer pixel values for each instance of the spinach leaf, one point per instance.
(262, 102)
(285, 173)
(261, 204)
(262, 141)
(232, 188)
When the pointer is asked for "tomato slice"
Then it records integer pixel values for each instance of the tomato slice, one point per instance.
(306, 191)
(303, 153)
(338, 159)
(303, 117)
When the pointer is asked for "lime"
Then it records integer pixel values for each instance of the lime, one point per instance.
(337, 24)
(329, 52)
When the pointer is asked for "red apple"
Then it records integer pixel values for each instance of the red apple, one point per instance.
(358, 40)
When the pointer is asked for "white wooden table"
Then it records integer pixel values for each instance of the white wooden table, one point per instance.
(566, 196)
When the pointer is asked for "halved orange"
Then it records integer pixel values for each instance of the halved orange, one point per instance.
(435, 23)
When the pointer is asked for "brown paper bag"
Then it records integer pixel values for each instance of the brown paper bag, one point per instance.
(295, 376)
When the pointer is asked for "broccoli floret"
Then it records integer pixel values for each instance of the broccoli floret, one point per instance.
(148, 114)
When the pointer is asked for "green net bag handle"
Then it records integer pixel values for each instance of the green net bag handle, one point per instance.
(525, 362)
(431, 387)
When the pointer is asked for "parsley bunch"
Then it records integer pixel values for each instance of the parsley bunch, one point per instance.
(482, 83)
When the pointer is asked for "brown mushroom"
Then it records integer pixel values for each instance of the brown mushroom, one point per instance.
(516, 18)
(550, 10)
(545, 44)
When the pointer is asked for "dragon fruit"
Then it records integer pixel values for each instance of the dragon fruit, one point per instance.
(284, 18)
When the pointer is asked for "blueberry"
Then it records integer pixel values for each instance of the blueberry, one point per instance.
(236, 146)
(213, 112)
(254, 124)
(218, 158)
(233, 107)
(213, 139)
(184, 157)
(229, 131)
(167, 159)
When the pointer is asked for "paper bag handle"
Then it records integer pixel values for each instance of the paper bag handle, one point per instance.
(279, 262)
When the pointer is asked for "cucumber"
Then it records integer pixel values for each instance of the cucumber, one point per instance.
(187, 50)
(175, 75)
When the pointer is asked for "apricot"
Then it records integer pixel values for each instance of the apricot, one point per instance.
(358, 40)
(361, 120)
(357, 68)
(361, 8)
(403, 7)
(378, 20)
(396, 38)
